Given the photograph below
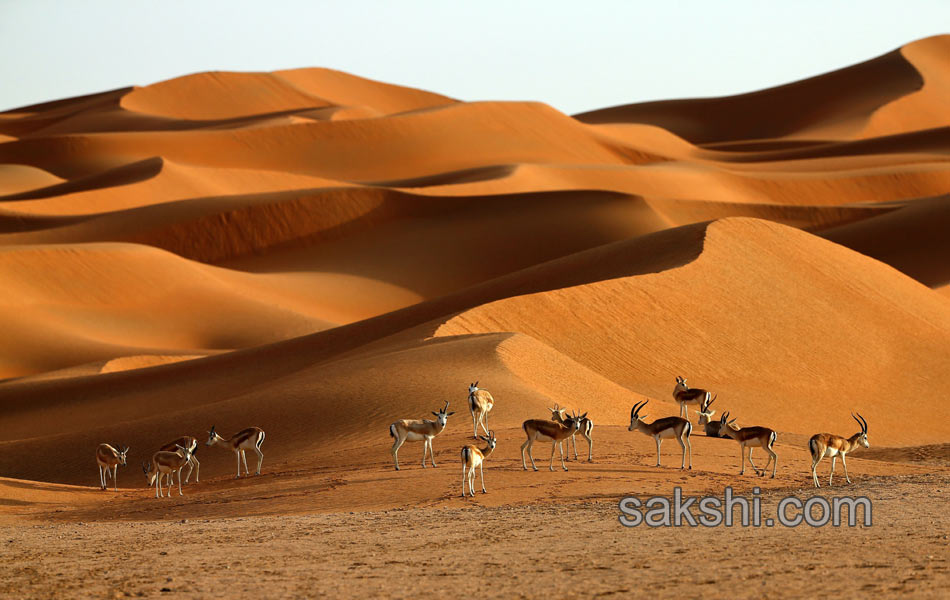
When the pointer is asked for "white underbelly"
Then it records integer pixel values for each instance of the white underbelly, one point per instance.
(667, 434)
(414, 437)
(831, 452)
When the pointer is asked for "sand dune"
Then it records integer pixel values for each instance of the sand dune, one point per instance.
(320, 254)
(739, 327)
(899, 91)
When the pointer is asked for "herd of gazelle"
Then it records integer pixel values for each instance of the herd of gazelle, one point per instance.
(174, 456)
(562, 427)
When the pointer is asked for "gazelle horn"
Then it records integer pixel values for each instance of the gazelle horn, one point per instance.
(864, 425)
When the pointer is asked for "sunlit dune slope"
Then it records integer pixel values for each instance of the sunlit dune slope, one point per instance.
(66, 305)
(768, 316)
(206, 96)
(743, 318)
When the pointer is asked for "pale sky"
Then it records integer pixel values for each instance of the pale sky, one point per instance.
(576, 56)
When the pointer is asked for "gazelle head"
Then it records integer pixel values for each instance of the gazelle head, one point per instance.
(724, 425)
(472, 388)
(635, 414)
(122, 451)
(490, 439)
(443, 416)
(574, 421)
(681, 383)
(213, 438)
(149, 473)
(863, 440)
(704, 412)
(557, 413)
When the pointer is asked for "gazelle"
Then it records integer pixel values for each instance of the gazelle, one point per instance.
(475, 457)
(193, 465)
(704, 412)
(109, 459)
(246, 439)
(710, 426)
(587, 426)
(419, 430)
(683, 395)
(677, 428)
(165, 464)
(752, 437)
(480, 403)
(825, 444)
(549, 431)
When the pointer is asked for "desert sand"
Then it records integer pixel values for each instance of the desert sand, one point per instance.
(319, 255)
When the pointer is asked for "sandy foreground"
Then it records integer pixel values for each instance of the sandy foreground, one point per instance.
(348, 530)
(536, 550)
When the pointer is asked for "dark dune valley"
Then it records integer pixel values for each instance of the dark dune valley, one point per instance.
(318, 255)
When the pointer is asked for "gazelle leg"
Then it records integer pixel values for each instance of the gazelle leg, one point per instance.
(768, 462)
(238, 454)
(774, 458)
(115, 481)
(244, 456)
(553, 446)
(260, 459)
(742, 454)
(179, 484)
(590, 448)
(845, 463)
(683, 448)
(197, 466)
(562, 457)
(425, 450)
(483, 419)
(474, 425)
(754, 468)
(689, 449)
(814, 472)
(526, 445)
(481, 469)
(432, 454)
(573, 439)
(832, 476)
(395, 451)
(102, 484)
(463, 479)
(658, 442)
